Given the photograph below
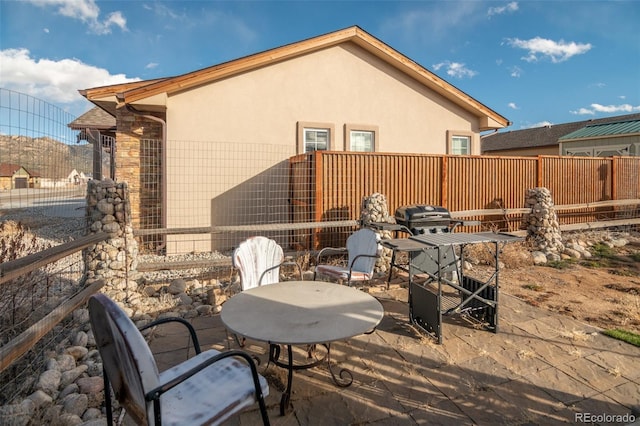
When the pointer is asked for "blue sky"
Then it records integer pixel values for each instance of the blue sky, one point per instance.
(534, 62)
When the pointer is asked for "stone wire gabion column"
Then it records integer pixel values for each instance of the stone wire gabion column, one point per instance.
(115, 259)
(374, 209)
(542, 224)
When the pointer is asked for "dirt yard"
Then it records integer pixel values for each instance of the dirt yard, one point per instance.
(603, 291)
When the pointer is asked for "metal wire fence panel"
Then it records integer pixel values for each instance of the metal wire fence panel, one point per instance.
(45, 166)
(26, 300)
(627, 178)
(225, 184)
(43, 161)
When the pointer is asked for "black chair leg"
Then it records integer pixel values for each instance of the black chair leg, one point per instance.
(107, 398)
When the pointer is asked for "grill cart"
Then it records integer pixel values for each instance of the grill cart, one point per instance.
(435, 256)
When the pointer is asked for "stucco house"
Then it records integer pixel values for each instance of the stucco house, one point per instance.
(344, 90)
(554, 139)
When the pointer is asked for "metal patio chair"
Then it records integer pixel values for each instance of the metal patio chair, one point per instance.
(362, 250)
(206, 389)
(258, 259)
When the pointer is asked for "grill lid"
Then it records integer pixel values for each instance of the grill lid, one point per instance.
(423, 216)
(420, 211)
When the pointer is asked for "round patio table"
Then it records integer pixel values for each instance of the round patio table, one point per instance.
(301, 313)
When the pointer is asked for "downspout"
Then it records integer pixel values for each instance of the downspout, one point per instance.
(164, 160)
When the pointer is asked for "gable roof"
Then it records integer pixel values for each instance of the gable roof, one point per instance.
(95, 118)
(8, 169)
(618, 128)
(155, 92)
(541, 136)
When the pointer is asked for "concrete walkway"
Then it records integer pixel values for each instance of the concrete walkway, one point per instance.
(540, 369)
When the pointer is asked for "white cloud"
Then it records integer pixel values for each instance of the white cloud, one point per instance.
(86, 11)
(556, 51)
(513, 105)
(151, 65)
(515, 71)
(455, 69)
(53, 81)
(508, 8)
(595, 108)
(583, 111)
(540, 124)
(615, 108)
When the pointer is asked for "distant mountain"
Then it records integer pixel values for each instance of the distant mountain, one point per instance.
(46, 157)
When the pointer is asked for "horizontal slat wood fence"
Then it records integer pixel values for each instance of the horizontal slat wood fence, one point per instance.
(340, 180)
(18, 346)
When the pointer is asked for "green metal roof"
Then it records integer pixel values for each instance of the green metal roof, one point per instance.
(607, 129)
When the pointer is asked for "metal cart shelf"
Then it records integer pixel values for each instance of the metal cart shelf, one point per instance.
(445, 289)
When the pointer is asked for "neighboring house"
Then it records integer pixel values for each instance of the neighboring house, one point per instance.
(546, 140)
(345, 90)
(98, 125)
(76, 178)
(61, 180)
(603, 140)
(14, 176)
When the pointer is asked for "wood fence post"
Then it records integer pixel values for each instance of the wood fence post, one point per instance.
(614, 178)
(444, 184)
(318, 171)
(539, 172)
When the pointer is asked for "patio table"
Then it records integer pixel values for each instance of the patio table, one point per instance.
(301, 313)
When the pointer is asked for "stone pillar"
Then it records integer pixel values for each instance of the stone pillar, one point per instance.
(114, 260)
(374, 208)
(139, 164)
(542, 226)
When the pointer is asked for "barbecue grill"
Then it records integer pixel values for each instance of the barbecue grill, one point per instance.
(425, 219)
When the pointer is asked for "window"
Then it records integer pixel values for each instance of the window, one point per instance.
(316, 140)
(459, 143)
(314, 137)
(360, 138)
(361, 141)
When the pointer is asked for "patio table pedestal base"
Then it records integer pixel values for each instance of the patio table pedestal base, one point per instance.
(274, 357)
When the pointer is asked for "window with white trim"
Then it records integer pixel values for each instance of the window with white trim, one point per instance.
(314, 136)
(316, 139)
(459, 143)
(360, 140)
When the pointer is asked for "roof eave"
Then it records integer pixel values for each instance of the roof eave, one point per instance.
(489, 119)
